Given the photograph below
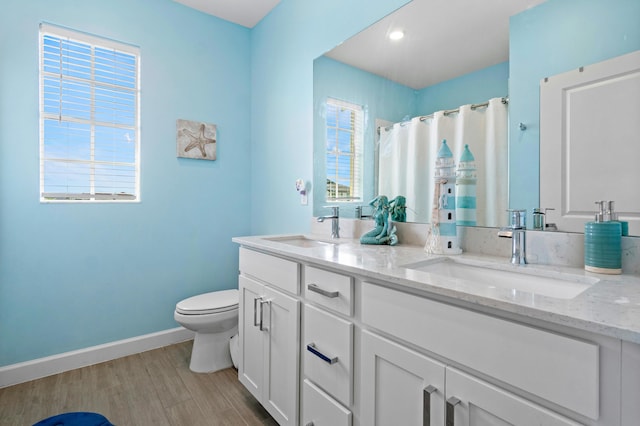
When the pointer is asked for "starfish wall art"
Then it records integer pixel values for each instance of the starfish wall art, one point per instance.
(195, 140)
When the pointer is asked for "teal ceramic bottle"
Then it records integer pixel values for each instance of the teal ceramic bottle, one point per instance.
(603, 243)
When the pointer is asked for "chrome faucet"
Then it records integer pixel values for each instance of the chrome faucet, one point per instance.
(335, 218)
(540, 220)
(517, 231)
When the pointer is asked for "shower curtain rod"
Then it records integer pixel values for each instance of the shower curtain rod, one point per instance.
(504, 100)
(456, 110)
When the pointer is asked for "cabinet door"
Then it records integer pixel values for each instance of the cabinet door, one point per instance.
(471, 401)
(399, 386)
(251, 363)
(281, 328)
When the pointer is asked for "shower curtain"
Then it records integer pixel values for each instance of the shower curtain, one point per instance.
(407, 155)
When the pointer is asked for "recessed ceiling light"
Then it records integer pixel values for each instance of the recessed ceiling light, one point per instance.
(396, 35)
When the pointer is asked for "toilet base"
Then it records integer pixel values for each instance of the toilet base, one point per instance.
(211, 351)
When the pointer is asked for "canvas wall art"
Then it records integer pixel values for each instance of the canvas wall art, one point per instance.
(195, 140)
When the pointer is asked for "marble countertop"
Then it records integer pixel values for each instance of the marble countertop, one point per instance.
(609, 307)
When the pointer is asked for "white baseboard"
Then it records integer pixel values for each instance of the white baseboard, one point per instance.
(43, 367)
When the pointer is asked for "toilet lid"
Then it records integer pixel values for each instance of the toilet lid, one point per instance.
(208, 303)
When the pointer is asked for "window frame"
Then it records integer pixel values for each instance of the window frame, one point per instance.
(95, 42)
(356, 155)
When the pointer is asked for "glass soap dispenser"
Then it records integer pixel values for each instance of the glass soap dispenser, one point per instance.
(603, 241)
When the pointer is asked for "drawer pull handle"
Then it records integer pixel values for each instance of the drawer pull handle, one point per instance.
(426, 405)
(311, 347)
(325, 293)
(309, 424)
(255, 311)
(449, 415)
(262, 302)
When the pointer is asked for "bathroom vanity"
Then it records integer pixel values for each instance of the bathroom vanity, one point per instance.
(337, 333)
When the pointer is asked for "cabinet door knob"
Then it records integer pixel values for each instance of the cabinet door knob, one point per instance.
(426, 404)
(330, 294)
(449, 415)
(311, 347)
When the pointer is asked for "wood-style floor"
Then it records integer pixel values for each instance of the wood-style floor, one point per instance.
(154, 388)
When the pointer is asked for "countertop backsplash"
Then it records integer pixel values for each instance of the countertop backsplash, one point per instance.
(543, 247)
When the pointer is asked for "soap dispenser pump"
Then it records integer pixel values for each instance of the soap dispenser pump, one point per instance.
(603, 241)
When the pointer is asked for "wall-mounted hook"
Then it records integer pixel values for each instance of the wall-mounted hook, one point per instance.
(522, 126)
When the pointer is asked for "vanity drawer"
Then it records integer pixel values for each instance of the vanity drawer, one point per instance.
(331, 290)
(272, 270)
(319, 409)
(557, 368)
(328, 352)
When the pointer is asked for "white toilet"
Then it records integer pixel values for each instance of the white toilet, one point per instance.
(214, 318)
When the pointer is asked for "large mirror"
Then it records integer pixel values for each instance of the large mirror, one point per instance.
(452, 53)
(460, 55)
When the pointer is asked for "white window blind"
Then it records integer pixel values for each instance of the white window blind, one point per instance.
(89, 117)
(344, 141)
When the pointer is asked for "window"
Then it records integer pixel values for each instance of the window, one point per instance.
(89, 118)
(345, 129)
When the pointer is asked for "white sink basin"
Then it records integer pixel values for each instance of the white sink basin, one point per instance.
(301, 241)
(516, 278)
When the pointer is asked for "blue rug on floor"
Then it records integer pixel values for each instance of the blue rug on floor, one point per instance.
(75, 419)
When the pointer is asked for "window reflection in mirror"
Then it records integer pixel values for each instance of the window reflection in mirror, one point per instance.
(344, 145)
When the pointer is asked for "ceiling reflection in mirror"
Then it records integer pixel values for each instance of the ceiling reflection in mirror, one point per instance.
(454, 54)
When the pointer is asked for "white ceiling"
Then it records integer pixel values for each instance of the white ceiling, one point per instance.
(243, 12)
(443, 39)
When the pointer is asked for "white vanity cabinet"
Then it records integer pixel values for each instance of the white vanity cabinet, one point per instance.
(269, 324)
(327, 347)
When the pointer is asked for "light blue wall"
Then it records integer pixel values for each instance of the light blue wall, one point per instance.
(283, 47)
(472, 88)
(555, 37)
(72, 275)
(379, 97)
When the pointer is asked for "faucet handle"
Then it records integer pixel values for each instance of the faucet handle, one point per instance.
(334, 209)
(540, 218)
(548, 226)
(517, 218)
(359, 214)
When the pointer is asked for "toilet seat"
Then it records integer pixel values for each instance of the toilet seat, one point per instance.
(209, 303)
